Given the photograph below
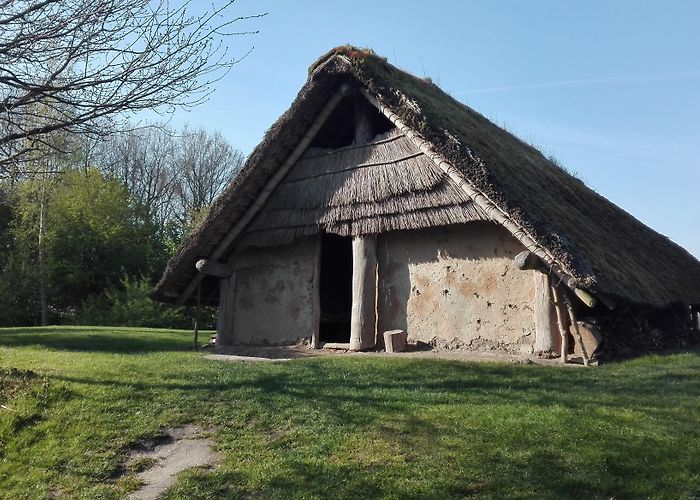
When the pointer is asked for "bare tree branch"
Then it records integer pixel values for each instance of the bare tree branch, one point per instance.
(76, 65)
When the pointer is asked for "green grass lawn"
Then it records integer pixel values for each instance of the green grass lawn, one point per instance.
(343, 427)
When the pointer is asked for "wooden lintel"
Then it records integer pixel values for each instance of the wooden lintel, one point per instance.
(213, 268)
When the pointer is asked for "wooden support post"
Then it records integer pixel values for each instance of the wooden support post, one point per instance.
(197, 312)
(316, 297)
(575, 329)
(224, 323)
(363, 121)
(363, 316)
(544, 331)
(559, 307)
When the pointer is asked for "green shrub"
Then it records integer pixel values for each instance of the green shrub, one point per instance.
(130, 305)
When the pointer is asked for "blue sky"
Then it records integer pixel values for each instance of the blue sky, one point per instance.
(610, 88)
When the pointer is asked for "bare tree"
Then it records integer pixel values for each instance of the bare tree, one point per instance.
(91, 60)
(206, 163)
(144, 161)
(172, 175)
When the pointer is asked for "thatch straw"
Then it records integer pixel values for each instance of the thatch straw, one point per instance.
(385, 185)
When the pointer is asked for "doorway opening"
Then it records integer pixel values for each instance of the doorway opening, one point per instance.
(335, 288)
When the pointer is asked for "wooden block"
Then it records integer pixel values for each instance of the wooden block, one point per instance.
(591, 337)
(395, 340)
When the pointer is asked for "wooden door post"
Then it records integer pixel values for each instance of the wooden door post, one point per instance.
(363, 316)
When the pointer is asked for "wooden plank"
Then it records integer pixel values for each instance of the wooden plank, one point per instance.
(575, 329)
(545, 334)
(591, 339)
(395, 340)
(213, 268)
(224, 323)
(338, 346)
(363, 316)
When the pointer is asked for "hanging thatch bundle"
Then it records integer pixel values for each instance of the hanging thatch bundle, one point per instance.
(385, 185)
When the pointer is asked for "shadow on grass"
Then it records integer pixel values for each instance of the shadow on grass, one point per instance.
(99, 339)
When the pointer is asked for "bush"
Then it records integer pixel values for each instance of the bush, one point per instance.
(130, 305)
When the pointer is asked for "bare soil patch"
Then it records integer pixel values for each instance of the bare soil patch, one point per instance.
(159, 460)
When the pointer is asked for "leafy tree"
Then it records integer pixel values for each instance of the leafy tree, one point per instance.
(92, 240)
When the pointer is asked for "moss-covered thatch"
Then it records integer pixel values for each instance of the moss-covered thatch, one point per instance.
(604, 248)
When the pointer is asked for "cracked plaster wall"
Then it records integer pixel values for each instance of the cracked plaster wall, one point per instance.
(456, 286)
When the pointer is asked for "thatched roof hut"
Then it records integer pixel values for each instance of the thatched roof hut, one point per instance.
(430, 161)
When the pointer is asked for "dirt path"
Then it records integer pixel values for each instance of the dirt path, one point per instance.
(184, 448)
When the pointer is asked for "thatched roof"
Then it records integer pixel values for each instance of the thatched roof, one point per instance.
(604, 249)
(385, 185)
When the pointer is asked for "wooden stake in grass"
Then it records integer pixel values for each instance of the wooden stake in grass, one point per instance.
(575, 329)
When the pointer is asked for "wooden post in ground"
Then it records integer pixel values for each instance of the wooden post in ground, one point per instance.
(363, 316)
(559, 307)
(575, 329)
(544, 333)
(197, 311)
(224, 323)
(316, 297)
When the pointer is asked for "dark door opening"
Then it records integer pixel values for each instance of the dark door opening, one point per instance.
(335, 288)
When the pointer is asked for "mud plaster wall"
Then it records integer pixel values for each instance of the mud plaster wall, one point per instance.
(274, 293)
(456, 286)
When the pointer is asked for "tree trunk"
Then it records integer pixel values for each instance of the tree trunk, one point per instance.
(42, 280)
